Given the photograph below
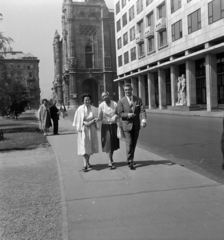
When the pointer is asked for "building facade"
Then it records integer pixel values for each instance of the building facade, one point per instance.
(26, 68)
(85, 56)
(159, 40)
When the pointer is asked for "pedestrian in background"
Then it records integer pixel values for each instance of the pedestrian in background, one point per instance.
(130, 108)
(44, 117)
(63, 110)
(85, 123)
(108, 115)
(55, 117)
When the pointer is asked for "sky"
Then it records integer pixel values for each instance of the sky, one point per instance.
(32, 25)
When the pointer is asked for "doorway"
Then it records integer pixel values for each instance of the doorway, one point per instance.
(90, 86)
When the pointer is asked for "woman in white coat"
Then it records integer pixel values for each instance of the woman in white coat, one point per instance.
(44, 117)
(85, 122)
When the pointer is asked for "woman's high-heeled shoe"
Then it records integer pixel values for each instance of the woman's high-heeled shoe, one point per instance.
(85, 169)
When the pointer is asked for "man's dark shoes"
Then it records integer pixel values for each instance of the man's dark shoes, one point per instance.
(85, 169)
(131, 165)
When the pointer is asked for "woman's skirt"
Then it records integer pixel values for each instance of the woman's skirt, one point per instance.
(109, 139)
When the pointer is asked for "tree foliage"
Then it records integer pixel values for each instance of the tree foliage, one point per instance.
(4, 42)
(13, 93)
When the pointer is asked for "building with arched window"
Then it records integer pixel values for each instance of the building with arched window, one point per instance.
(85, 56)
(160, 40)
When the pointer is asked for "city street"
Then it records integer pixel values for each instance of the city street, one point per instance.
(189, 140)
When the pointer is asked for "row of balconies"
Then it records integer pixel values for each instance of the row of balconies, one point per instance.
(149, 31)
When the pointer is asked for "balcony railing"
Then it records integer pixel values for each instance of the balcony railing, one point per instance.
(139, 38)
(149, 32)
(161, 25)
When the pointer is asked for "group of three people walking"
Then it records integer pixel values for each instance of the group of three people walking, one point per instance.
(127, 111)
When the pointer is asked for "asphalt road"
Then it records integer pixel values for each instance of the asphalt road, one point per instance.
(193, 142)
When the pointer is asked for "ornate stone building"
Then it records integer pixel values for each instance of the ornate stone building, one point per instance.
(25, 67)
(85, 56)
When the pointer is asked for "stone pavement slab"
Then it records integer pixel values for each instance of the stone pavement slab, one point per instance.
(158, 200)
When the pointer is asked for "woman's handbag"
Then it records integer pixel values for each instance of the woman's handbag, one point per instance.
(120, 131)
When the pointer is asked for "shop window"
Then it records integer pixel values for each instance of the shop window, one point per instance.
(194, 21)
(215, 10)
(200, 81)
(177, 30)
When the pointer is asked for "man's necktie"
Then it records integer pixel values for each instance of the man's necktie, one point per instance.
(131, 103)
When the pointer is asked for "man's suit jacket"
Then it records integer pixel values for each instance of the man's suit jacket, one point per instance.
(138, 109)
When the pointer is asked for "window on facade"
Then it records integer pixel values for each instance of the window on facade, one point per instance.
(140, 27)
(151, 45)
(125, 39)
(161, 11)
(118, 25)
(148, 2)
(215, 10)
(18, 66)
(177, 30)
(120, 61)
(107, 61)
(150, 19)
(119, 43)
(126, 59)
(139, 6)
(28, 66)
(131, 13)
(118, 7)
(123, 3)
(175, 5)
(89, 57)
(124, 19)
(220, 77)
(194, 21)
(30, 74)
(162, 39)
(141, 48)
(200, 81)
(133, 54)
(132, 33)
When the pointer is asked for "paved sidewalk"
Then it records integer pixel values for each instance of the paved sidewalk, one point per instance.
(158, 200)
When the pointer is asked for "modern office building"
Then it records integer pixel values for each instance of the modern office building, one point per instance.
(25, 67)
(85, 57)
(159, 40)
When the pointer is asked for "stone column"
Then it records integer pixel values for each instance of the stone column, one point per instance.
(173, 79)
(134, 86)
(162, 88)
(211, 82)
(191, 82)
(58, 75)
(71, 56)
(120, 89)
(141, 87)
(151, 90)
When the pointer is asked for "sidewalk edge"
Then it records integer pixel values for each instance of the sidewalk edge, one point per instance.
(65, 235)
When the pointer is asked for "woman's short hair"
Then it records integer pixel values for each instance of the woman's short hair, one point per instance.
(86, 95)
(44, 100)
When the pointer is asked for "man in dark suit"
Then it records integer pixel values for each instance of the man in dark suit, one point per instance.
(55, 117)
(130, 108)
